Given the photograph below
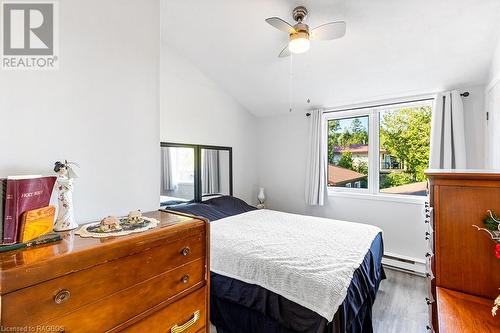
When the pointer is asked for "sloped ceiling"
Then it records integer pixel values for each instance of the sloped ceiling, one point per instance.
(391, 47)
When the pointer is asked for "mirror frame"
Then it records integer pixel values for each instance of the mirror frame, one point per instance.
(197, 165)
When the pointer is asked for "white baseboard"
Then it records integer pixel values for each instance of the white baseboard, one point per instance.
(411, 265)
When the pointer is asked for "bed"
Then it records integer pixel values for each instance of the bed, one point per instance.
(244, 304)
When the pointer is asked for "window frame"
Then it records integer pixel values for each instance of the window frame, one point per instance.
(373, 113)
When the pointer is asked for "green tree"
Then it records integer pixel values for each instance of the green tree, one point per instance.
(395, 179)
(346, 161)
(345, 139)
(333, 138)
(359, 133)
(362, 167)
(333, 126)
(356, 126)
(405, 133)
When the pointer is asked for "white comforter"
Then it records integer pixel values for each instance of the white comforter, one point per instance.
(308, 260)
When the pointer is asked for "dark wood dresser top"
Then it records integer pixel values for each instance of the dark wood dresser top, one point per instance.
(26, 267)
(463, 174)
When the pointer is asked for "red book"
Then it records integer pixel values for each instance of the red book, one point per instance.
(24, 194)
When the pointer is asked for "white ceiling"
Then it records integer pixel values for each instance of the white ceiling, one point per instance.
(391, 47)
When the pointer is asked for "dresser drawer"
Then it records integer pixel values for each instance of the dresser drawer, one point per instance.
(121, 306)
(52, 299)
(187, 315)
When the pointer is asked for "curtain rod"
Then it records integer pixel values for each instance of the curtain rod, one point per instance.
(464, 94)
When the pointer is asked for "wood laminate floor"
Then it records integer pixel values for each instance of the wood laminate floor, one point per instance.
(400, 305)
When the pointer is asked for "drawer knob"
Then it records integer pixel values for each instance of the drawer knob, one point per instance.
(185, 278)
(186, 325)
(186, 251)
(62, 296)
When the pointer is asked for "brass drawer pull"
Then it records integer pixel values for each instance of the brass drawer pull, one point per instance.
(185, 278)
(186, 325)
(186, 251)
(62, 296)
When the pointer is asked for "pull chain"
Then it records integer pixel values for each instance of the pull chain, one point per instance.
(290, 86)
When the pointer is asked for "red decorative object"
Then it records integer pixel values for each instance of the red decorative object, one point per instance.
(497, 250)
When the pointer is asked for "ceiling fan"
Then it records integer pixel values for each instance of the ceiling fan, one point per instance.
(299, 34)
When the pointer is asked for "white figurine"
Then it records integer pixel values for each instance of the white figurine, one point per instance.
(262, 198)
(65, 218)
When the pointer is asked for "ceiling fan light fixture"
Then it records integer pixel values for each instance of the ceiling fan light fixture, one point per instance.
(299, 34)
(299, 42)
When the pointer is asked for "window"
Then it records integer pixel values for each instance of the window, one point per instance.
(382, 149)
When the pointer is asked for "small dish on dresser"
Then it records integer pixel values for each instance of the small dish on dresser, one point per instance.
(112, 226)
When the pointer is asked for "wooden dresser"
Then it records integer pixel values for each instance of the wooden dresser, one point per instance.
(155, 281)
(464, 274)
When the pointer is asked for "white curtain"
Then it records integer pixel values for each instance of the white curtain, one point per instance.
(448, 132)
(167, 183)
(316, 161)
(210, 171)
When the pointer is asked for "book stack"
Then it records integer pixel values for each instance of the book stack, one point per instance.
(24, 208)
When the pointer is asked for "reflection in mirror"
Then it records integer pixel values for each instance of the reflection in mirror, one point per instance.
(215, 175)
(177, 174)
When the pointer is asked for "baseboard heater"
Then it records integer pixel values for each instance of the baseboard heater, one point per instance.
(405, 264)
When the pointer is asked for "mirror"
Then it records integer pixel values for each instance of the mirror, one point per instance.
(194, 173)
(177, 175)
(215, 175)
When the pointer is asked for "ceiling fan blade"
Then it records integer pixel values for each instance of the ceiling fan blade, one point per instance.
(280, 24)
(329, 31)
(285, 52)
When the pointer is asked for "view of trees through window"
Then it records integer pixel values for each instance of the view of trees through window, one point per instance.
(404, 150)
(348, 152)
(404, 137)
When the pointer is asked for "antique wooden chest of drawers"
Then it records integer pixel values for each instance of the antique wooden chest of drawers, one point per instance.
(464, 273)
(155, 281)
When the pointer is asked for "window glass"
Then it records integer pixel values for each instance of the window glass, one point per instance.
(348, 152)
(404, 149)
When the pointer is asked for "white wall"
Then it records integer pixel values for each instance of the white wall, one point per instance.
(99, 109)
(494, 72)
(195, 110)
(493, 107)
(475, 126)
(282, 170)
